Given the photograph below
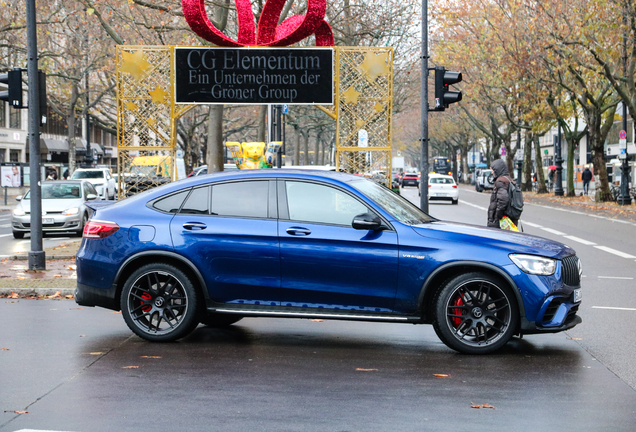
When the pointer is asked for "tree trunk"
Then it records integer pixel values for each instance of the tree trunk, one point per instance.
(214, 155)
(70, 122)
(297, 147)
(572, 144)
(262, 124)
(539, 163)
(306, 149)
(526, 185)
(464, 162)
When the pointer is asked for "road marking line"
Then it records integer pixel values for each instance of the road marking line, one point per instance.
(5, 235)
(5, 225)
(613, 308)
(534, 225)
(580, 240)
(615, 277)
(474, 205)
(615, 252)
(553, 231)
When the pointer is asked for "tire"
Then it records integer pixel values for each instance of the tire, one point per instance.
(18, 235)
(455, 201)
(159, 303)
(475, 313)
(80, 231)
(219, 320)
(478, 188)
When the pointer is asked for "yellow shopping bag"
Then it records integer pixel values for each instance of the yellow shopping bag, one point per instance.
(507, 224)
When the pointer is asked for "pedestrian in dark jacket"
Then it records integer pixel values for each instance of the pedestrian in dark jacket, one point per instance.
(586, 176)
(499, 198)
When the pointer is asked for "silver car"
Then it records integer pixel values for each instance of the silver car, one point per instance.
(63, 207)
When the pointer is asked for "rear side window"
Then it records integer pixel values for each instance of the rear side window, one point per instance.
(198, 202)
(241, 199)
(171, 203)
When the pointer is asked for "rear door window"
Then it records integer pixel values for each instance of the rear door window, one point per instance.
(241, 199)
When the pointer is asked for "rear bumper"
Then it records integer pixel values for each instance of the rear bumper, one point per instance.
(86, 295)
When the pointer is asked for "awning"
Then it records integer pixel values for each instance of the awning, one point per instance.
(80, 144)
(110, 151)
(97, 149)
(48, 145)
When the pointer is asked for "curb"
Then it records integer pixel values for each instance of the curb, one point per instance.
(36, 292)
(49, 257)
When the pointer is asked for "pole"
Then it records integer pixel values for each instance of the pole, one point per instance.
(279, 135)
(424, 113)
(558, 188)
(624, 198)
(37, 258)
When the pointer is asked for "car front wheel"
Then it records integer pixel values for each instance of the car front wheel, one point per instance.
(18, 234)
(475, 313)
(159, 303)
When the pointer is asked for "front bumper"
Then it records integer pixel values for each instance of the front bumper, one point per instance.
(59, 223)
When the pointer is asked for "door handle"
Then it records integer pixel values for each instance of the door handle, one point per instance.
(194, 226)
(298, 231)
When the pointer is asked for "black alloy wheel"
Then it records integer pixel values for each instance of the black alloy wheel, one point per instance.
(219, 319)
(475, 313)
(159, 303)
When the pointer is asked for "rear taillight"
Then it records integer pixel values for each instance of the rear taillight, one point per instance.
(99, 229)
(455, 186)
(429, 185)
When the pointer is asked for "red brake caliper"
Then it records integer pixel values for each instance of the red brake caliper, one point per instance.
(146, 296)
(458, 302)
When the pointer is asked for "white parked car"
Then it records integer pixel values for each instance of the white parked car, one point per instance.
(442, 187)
(100, 178)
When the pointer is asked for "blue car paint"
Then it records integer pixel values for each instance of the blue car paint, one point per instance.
(338, 267)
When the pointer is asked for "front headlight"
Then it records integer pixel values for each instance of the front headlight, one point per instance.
(534, 265)
(18, 211)
(70, 211)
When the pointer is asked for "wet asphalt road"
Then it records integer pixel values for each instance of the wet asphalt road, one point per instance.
(79, 369)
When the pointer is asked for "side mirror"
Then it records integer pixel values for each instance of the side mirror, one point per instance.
(367, 221)
(18, 198)
(91, 197)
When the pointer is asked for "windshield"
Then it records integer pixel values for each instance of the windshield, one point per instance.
(146, 170)
(58, 191)
(88, 175)
(398, 207)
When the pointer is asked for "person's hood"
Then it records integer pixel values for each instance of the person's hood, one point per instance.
(499, 168)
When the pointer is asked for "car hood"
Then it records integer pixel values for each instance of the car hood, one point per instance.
(52, 205)
(492, 237)
(97, 181)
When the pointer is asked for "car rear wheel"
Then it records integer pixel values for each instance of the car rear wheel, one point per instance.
(455, 201)
(18, 234)
(219, 320)
(159, 303)
(475, 313)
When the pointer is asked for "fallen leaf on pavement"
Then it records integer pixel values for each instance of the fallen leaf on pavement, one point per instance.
(130, 367)
(13, 301)
(19, 412)
(472, 405)
(6, 349)
(19, 277)
(117, 312)
(441, 375)
(576, 338)
(150, 356)
(57, 275)
(317, 320)
(71, 268)
(365, 370)
(82, 335)
(13, 295)
(96, 353)
(56, 295)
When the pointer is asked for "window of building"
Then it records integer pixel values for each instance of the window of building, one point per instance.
(15, 118)
(3, 114)
(14, 156)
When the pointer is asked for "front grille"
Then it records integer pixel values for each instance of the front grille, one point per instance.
(571, 274)
(54, 225)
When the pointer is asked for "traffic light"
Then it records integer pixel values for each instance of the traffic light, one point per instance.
(14, 80)
(443, 96)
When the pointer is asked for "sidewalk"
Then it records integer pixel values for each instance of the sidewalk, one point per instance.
(17, 281)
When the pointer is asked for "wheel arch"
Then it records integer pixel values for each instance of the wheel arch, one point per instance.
(448, 270)
(166, 257)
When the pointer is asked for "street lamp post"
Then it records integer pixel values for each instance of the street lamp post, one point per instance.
(424, 113)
